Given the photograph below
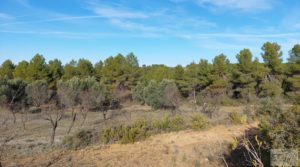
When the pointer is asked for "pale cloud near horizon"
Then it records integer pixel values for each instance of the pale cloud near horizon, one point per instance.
(240, 5)
(110, 12)
(6, 16)
(244, 5)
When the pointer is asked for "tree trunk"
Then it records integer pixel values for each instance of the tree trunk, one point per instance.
(14, 117)
(194, 94)
(54, 126)
(84, 118)
(72, 123)
(104, 115)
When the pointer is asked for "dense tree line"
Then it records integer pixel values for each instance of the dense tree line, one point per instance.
(124, 79)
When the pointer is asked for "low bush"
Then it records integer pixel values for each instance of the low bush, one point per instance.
(169, 123)
(79, 140)
(249, 111)
(126, 134)
(238, 118)
(199, 122)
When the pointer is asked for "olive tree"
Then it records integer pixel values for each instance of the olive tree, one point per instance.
(12, 95)
(159, 95)
(94, 97)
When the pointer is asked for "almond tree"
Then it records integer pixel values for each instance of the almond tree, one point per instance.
(46, 100)
(68, 92)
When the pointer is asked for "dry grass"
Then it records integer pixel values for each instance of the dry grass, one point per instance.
(185, 148)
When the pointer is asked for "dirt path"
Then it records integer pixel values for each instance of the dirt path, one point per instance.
(184, 148)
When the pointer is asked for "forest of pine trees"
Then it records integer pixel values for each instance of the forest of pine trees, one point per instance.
(124, 79)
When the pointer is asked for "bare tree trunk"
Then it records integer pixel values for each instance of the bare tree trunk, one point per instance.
(84, 115)
(14, 117)
(194, 95)
(104, 114)
(72, 123)
(54, 126)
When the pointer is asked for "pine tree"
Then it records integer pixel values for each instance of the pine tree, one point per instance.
(242, 78)
(37, 69)
(21, 70)
(70, 70)
(272, 57)
(6, 69)
(85, 68)
(55, 72)
(293, 80)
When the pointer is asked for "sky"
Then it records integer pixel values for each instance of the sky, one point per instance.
(166, 32)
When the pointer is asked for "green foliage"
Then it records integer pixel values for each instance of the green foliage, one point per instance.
(6, 69)
(126, 134)
(271, 89)
(152, 95)
(55, 71)
(162, 95)
(80, 140)
(37, 69)
(85, 68)
(156, 73)
(12, 93)
(21, 70)
(295, 55)
(238, 118)
(199, 122)
(180, 80)
(98, 70)
(70, 70)
(138, 93)
(292, 84)
(142, 129)
(169, 123)
(245, 63)
(221, 66)
(280, 126)
(272, 57)
(87, 92)
(241, 82)
(121, 71)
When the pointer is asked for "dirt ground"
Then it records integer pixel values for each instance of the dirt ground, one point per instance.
(184, 148)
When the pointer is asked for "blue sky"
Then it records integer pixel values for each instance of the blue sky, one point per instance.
(167, 32)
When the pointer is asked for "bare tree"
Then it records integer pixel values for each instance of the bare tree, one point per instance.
(68, 93)
(45, 99)
(171, 97)
(53, 114)
(95, 98)
(24, 117)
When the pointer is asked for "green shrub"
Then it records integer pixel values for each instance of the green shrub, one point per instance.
(199, 122)
(126, 134)
(79, 140)
(238, 118)
(281, 129)
(159, 95)
(169, 123)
